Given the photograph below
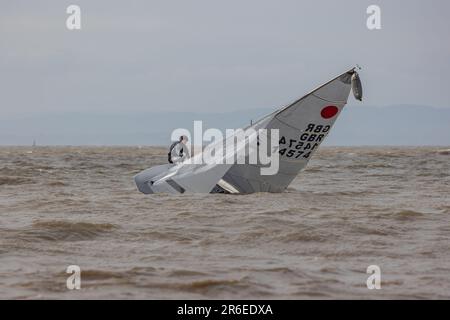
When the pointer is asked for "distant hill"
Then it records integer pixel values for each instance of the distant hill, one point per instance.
(393, 125)
(358, 125)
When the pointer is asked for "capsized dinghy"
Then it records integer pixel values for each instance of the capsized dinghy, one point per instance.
(302, 125)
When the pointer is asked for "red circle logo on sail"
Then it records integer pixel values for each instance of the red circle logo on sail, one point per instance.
(329, 112)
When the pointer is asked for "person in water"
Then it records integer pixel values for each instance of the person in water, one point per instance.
(178, 151)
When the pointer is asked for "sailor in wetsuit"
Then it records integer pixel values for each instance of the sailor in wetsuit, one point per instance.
(178, 151)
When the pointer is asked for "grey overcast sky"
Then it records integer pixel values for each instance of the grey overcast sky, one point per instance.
(217, 55)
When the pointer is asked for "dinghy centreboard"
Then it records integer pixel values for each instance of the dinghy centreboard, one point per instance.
(302, 127)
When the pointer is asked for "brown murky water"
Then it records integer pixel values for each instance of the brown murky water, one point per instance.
(351, 208)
